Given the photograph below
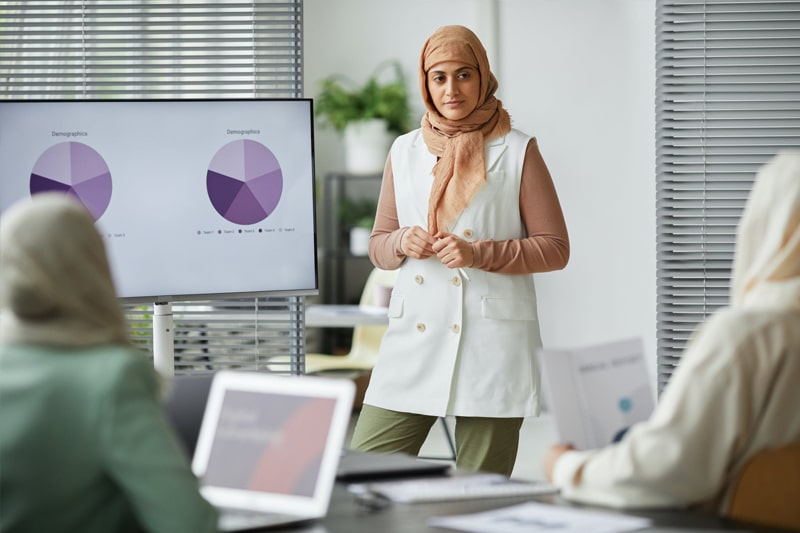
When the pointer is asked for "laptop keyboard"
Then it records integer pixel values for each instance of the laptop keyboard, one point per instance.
(471, 492)
(466, 487)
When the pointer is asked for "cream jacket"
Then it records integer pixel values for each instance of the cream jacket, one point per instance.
(736, 391)
(460, 341)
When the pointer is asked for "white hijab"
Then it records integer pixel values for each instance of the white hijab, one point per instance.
(766, 269)
(55, 282)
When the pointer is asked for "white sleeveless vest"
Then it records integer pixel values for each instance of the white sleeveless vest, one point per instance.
(460, 343)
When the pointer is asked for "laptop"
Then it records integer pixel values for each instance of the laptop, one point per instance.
(361, 466)
(184, 404)
(269, 445)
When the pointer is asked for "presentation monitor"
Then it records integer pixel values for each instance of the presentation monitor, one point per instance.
(196, 199)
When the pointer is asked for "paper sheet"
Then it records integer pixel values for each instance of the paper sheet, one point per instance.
(532, 517)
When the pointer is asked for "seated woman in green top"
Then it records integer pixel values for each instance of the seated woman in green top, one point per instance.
(84, 445)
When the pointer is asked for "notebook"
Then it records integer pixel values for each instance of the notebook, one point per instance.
(269, 446)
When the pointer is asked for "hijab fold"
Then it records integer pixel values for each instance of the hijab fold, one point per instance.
(56, 287)
(459, 145)
(766, 269)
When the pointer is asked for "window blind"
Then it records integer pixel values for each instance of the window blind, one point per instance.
(171, 49)
(252, 334)
(728, 99)
(151, 48)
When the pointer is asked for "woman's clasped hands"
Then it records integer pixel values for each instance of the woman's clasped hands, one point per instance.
(451, 250)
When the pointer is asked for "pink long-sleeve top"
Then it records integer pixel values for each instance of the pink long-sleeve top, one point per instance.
(544, 249)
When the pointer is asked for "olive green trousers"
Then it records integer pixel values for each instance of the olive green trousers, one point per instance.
(485, 444)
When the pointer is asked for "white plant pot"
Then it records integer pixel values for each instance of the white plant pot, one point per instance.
(366, 145)
(359, 240)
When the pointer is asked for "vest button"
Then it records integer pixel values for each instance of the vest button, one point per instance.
(420, 327)
(419, 279)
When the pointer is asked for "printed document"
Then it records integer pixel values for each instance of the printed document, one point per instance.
(596, 393)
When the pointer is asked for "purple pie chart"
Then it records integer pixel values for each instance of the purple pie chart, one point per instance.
(76, 169)
(244, 182)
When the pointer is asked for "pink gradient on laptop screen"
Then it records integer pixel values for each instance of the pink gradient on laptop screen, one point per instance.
(269, 442)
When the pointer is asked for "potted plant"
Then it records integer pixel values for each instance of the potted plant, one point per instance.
(369, 116)
(357, 216)
(359, 235)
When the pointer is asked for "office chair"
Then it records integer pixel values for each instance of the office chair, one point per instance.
(184, 404)
(768, 490)
(366, 339)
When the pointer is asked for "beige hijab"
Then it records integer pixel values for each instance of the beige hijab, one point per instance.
(459, 144)
(766, 269)
(55, 283)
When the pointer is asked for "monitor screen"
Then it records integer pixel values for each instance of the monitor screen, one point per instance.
(196, 199)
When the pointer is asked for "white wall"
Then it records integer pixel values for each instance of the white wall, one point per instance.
(353, 37)
(577, 74)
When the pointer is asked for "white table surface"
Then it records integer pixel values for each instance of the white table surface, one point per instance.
(345, 316)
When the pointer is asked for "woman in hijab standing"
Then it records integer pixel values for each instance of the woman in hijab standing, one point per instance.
(735, 392)
(467, 212)
(84, 445)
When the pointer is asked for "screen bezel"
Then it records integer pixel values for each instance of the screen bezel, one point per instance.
(201, 296)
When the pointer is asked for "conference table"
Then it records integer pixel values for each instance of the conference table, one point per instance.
(347, 515)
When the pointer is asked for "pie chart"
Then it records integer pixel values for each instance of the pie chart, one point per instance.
(76, 169)
(244, 182)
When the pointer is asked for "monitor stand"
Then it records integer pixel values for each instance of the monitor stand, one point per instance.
(163, 339)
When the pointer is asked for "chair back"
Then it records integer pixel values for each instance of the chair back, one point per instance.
(184, 404)
(768, 490)
(366, 339)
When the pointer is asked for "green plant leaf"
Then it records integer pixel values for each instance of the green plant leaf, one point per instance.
(356, 212)
(341, 101)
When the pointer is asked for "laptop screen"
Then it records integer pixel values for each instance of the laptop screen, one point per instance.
(272, 443)
(269, 442)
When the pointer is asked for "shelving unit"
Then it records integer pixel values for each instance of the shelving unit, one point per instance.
(342, 274)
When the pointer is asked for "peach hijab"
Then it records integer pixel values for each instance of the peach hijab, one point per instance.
(459, 144)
